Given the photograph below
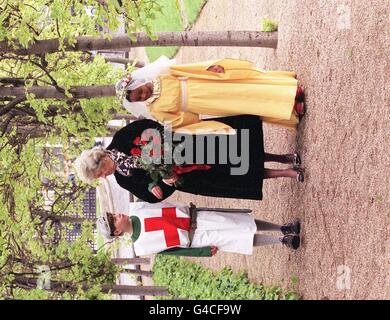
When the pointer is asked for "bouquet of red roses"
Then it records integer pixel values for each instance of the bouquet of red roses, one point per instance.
(150, 153)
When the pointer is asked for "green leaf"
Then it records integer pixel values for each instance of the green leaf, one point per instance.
(268, 25)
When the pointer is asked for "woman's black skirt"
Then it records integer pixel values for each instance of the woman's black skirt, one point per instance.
(237, 161)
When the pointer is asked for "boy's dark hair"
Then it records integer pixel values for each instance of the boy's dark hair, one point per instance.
(127, 96)
(111, 224)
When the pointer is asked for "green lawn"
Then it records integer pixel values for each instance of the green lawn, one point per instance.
(170, 20)
(189, 280)
(193, 7)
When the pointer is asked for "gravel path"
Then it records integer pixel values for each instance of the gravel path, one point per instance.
(340, 50)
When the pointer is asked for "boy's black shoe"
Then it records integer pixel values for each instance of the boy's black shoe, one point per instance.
(291, 241)
(294, 228)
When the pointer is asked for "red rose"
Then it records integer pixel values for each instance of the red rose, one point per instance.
(137, 141)
(151, 135)
(153, 153)
(135, 152)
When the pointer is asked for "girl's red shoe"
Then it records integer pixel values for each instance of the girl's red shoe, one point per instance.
(300, 95)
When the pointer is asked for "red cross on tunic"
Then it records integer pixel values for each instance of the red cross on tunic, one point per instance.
(169, 223)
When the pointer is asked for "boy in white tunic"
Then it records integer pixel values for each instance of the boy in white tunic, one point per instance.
(178, 229)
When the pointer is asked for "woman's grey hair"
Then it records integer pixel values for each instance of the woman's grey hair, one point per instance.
(88, 162)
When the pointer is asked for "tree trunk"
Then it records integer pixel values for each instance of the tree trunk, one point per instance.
(184, 39)
(136, 290)
(88, 57)
(65, 286)
(139, 272)
(32, 283)
(50, 92)
(38, 130)
(59, 218)
(32, 131)
(131, 261)
(127, 117)
(124, 61)
(26, 109)
(13, 81)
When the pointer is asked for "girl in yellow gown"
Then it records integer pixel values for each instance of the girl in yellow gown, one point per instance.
(224, 87)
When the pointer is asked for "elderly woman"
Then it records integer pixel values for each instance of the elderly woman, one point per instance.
(216, 181)
(180, 94)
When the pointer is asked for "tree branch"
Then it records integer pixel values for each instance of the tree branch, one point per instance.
(8, 107)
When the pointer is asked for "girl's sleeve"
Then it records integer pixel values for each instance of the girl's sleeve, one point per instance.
(189, 252)
(234, 69)
(139, 183)
(189, 123)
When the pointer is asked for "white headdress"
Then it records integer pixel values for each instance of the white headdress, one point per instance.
(104, 227)
(140, 77)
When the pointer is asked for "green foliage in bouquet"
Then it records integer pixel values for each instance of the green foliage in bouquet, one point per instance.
(151, 155)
